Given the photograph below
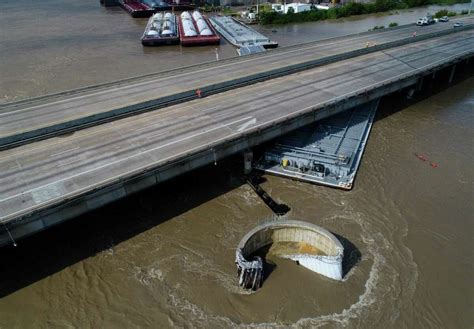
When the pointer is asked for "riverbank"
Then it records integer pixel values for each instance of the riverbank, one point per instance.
(267, 17)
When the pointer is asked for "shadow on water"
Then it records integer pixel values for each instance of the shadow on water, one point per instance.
(50, 251)
(352, 254)
(254, 180)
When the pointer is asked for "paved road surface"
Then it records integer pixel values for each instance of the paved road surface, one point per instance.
(19, 117)
(44, 173)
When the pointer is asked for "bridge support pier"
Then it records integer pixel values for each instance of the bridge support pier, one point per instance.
(248, 157)
(451, 76)
(420, 84)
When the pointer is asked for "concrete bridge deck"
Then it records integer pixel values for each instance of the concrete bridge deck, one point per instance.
(46, 182)
(49, 115)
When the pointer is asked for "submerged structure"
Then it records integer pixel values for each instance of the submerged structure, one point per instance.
(239, 34)
(320, 251)
(327, 152)
(161, 29)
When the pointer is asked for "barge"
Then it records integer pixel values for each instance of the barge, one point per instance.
(239, 34)
(196, 30)
(161, 29)
(180, 4)
(327, 152)
(136, 8)
(169, 5)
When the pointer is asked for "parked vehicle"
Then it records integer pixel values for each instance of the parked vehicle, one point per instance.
(444, 19)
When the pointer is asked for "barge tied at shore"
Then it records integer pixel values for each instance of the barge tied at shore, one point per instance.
(136, 8)
(196, 30)
(165, 5)
(161, 29)
(239, 34)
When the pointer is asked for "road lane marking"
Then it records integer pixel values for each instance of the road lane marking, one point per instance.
(136, 170)
(120, 85)
(221, 126)
(247, 124)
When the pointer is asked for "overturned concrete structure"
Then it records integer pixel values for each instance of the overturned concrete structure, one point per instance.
(323, 254)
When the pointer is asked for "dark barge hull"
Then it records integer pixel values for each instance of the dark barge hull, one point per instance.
(136, 8)
(150, 42)
(270, 45)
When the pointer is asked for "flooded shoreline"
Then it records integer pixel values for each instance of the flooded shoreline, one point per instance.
(165, 257)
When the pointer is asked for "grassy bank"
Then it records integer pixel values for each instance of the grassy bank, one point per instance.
(350, 9)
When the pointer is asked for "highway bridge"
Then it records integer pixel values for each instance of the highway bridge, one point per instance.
(47, 181)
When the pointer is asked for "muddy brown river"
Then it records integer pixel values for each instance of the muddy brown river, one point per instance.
(165, 257)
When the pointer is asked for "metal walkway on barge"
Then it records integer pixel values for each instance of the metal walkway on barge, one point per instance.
(327, 152)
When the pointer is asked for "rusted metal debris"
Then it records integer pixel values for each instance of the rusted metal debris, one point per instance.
(250, 272)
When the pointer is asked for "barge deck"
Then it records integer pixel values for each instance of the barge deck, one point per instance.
(161, 29)
(239, 34)
(196, 30)
(136, 8)
(327, 152)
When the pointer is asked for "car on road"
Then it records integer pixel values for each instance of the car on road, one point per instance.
(444, 19)
(427, 20)
(421, 21)
(458, 24)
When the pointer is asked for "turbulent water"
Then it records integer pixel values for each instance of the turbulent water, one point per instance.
(165, 257)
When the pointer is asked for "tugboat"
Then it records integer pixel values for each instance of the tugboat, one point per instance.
(161, 29)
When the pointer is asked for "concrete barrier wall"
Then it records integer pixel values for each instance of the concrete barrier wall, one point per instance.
(88, 121)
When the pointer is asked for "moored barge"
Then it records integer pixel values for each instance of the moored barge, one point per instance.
(239, 34)
(196, 30)
(136, 8)
(171, 5)
(161, 29)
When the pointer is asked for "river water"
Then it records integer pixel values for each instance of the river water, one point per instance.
(165, 257)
